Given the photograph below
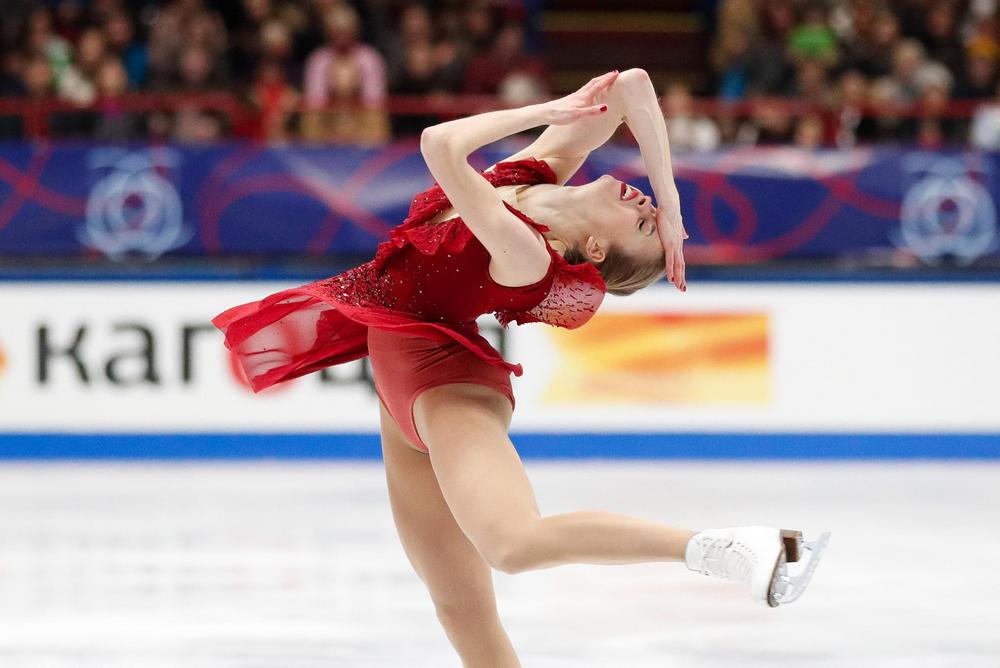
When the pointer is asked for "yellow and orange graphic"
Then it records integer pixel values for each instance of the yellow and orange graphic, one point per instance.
(643, 358)
(3, 361)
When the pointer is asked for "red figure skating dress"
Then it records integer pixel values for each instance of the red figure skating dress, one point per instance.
(413, 308)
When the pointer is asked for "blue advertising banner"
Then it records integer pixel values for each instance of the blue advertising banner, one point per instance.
(739, 205)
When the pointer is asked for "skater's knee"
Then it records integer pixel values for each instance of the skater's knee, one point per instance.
(514, 550)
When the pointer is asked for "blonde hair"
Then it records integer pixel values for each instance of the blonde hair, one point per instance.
(623, 275)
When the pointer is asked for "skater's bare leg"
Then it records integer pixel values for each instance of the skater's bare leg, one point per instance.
(484, 483)
(459, 581)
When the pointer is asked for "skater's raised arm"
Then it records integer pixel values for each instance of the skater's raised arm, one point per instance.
(630, 99)
(518, 253)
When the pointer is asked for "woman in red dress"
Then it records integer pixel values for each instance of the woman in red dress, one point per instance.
(516, 242)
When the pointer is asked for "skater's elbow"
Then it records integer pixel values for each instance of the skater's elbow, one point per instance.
(436, 142)
(633, 76)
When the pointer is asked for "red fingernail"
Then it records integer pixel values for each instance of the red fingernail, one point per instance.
(604, 107)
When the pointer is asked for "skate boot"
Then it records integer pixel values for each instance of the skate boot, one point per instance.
(758, 557)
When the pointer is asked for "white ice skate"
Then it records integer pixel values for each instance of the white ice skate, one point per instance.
(758, 557)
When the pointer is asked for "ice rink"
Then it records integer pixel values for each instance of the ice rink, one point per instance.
(254, 565)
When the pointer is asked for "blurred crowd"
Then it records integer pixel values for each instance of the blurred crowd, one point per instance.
(867, 71)
(312, 69)
(858, 65)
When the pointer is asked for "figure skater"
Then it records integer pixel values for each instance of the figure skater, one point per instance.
(516, 242)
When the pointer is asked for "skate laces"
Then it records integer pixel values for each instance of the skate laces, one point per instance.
(726, 558)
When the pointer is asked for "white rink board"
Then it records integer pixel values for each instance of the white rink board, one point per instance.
(840, 358)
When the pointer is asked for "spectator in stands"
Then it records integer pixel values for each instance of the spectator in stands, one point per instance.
(418, 77)
(687, 131)
(275, 98)
(854, 125)
(488, 72)
(247, 44)
(940, 35)
(11, 73)
(736, 19)
(978, 77)
(985, 131)
(415, 33)
(179, 27)
(478, 27)
(811, 82)
(750, 55)
(78, 82)
(908, 61)
(731, 58)
(773, 124)
(120, 35)
(450, 63)
(43, 41)
(198, 71)
(769, 68)
(277, 48)
(206, 30)
(344, 53)
(166, 39)
(853, 21)
(68, 19)
(810, 132)
(268, 30)
(420, 66)
(350, 73)
(872, 51)
(883, 97)
(113, 122)
(779, 20)
(198, 126)
(12, 84)
(813, 39)
(38, 78)
(935, 126)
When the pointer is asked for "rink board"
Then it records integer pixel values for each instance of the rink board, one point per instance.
(726, 370)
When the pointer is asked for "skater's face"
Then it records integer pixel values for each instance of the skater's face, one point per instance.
(619, 215)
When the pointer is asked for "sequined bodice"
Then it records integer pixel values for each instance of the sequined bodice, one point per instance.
(440, 271)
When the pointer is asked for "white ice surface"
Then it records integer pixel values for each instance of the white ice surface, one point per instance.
(297, 566)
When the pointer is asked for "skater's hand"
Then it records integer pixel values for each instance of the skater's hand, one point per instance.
(670, 228)
(582, 103)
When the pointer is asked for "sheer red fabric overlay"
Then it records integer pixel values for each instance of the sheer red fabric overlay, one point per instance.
(427, 280)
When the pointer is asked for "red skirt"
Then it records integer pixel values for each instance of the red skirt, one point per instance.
(403, 366)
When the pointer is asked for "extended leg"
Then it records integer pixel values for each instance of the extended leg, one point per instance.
(459, 581)
(484, 483)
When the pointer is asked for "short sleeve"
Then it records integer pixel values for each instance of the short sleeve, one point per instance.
(576, 293)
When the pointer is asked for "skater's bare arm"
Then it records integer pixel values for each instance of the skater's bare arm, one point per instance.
(630, 98)
(518, 252)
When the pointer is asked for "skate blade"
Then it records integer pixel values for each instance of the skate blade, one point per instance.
(788, 585)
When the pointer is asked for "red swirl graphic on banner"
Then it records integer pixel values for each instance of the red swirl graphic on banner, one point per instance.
(714, 184)
(26, 187)
(216, 196)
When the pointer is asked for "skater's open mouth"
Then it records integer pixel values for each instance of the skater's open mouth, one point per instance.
(628, 192)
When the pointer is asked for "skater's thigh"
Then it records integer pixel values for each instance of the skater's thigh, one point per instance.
(479, 472)
(455, 574)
